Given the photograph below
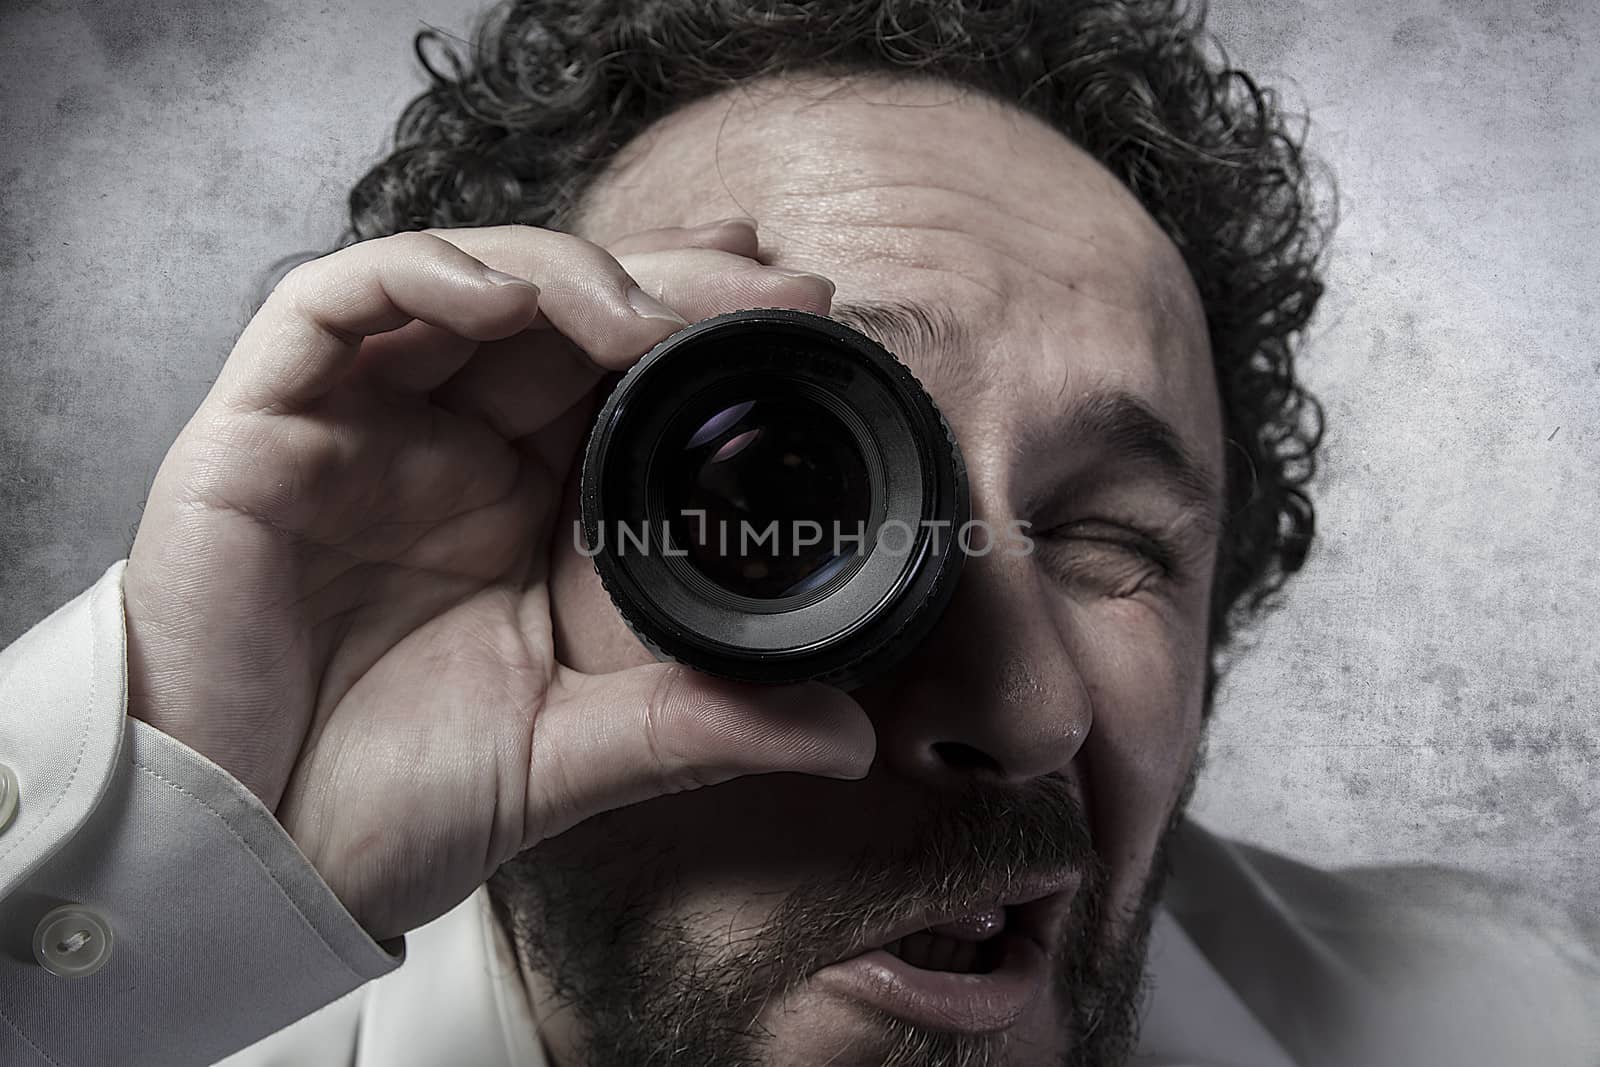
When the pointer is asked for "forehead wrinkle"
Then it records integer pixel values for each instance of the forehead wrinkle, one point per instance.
(817, 155)
(965, 233)
(1139, 278)
(788, 181)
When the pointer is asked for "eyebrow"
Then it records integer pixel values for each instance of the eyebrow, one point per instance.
(1117, 420)
(901, 326)
(1127, 427)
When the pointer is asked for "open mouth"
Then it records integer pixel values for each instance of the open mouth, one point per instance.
(972, 944)
(977, 972)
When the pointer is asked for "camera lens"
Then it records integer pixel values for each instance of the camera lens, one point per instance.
(770, 495)
(776, 465)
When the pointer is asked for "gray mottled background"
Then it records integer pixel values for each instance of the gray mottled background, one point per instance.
(1428, 691)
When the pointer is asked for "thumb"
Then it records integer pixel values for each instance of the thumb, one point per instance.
(604, 741)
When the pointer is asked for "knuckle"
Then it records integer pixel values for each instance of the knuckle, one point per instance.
(555, 801)
(413, 243)
(581, 254)
(241, 463)
(672, 726)
(299, 279)
(656, 713)
(542, 255)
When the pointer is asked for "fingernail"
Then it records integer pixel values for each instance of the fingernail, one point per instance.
(648, 307)
(787, 273)
(507, 279)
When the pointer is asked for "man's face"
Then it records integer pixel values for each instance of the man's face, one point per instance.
(1032, 753)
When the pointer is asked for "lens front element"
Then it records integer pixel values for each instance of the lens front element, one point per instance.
(771, 496)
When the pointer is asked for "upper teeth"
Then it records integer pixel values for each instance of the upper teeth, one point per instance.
(979, 926)
(969, 929)
(936, 952)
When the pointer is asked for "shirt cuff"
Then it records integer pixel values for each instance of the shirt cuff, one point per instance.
(221, 930)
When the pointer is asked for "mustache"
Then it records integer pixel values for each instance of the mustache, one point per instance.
(974, 842)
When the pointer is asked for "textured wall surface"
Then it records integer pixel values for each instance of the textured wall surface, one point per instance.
(1428, 690)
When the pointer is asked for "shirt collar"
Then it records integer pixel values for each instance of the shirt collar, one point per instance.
(1193, 1018)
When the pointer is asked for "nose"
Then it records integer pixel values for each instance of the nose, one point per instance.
(993, 692)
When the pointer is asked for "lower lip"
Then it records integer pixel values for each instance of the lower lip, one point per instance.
(945, 1000)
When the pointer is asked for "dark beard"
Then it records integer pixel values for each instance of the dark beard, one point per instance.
(599, 927)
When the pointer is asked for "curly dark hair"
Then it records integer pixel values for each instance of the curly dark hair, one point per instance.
(516, 127)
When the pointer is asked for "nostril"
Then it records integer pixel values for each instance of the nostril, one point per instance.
(964, 757)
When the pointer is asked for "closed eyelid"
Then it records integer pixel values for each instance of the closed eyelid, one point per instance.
(1113, 568)
(1131, 535)
(1182, 549)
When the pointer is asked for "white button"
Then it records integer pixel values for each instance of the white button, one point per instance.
(8, 795)
(72, 941)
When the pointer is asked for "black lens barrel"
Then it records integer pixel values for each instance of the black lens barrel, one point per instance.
(770, 495)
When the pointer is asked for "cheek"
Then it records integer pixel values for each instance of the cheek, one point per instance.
(717, 860)
(590, 636)
(1145, 678)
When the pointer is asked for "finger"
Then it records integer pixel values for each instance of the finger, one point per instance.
(736, 235)
(409, 358)
(701, 283)
(587, 298)
(307, 335)
(415, 358)
(515, 390)
(499, 388)
(583, 291)
(605, 741)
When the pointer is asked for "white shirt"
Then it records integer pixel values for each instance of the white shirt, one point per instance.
(228, 947)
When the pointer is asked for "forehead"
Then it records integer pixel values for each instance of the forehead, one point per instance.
(1056, 280)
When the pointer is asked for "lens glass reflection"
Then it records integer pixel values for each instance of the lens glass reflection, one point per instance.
(769, 497)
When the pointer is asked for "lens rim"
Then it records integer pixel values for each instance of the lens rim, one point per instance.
(862, 625)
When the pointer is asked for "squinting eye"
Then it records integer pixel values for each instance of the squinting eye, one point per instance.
(1106, 559)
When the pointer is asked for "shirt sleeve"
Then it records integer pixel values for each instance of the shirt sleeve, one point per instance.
(219, 930)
